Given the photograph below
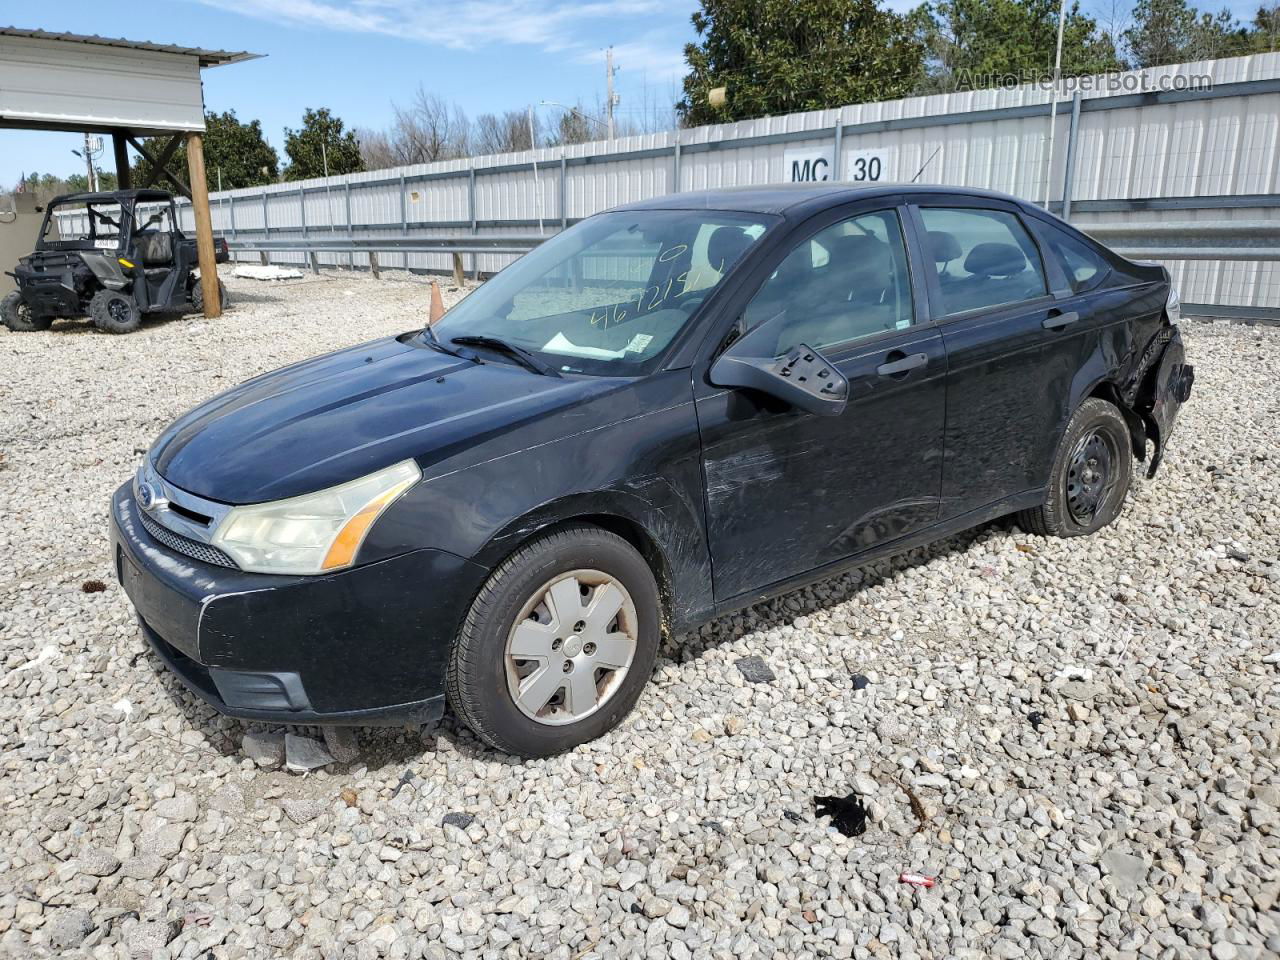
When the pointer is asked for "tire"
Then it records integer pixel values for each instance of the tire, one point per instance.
(18, 317)
(483, 682)
(197, 296)
(113, 312)
(1092, 471)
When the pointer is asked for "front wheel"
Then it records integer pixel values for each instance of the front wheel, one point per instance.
(1091, 474)
(18, 317)
(113, 312)
(558, 645)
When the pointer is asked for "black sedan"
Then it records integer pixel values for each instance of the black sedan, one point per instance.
(670, 410)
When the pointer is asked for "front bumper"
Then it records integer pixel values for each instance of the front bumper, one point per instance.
(49, 294)
(366, 645)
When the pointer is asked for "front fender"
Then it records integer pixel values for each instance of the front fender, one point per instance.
(106, 269)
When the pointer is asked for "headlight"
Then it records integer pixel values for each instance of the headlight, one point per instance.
(1173, 306)
(315, 533)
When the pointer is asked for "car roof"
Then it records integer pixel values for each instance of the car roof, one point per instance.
(140, 193)
(800, 199)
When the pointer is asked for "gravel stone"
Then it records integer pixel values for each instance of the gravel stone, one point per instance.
(755, 670)
(98, 862)
(1136, 819)
(69, 928)
(302, 754)
(264, 749)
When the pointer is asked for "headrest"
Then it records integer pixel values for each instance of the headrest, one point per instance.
(944, 245)
(995, 260)
(860, 255)
(725, 246)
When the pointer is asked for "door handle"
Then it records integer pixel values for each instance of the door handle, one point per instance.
(903, 365)
(1056, 321)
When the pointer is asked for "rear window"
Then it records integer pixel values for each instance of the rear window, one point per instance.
(983, 258)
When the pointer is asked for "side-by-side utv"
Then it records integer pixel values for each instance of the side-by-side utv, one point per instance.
(110, 256)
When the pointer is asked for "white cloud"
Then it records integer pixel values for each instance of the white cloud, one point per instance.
(550, 25)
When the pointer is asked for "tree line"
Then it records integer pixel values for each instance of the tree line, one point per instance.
(770, 56)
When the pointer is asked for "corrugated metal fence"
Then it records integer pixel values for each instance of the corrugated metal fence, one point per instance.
(1188, 143)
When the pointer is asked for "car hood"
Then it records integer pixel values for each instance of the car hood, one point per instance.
(343, 415)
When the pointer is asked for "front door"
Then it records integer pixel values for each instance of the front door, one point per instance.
(788, 491)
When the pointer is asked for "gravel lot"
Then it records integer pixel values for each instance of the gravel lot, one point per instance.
(1078, 739)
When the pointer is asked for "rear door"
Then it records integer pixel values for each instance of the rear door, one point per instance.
(1014, 347)
(788, 491)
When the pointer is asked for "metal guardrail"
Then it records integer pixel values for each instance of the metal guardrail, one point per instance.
(460, 244)
(1253, 240)
(1247, 240)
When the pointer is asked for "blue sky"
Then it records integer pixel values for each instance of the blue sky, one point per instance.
(356, 57)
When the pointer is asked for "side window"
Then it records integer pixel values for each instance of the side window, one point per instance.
(983, 258)
(847, 282)
(1084, 266)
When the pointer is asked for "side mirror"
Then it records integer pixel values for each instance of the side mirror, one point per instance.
(803, 378)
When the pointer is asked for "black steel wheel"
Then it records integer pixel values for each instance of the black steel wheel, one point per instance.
(18, 317)
(114, 312)
(1091, 474)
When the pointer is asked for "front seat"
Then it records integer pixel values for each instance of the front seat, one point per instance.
(845, 299)
(154, 248)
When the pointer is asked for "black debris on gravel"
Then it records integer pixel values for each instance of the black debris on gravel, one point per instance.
(459, 820)
(1035, 718)
(848, 814)
(755, 670)
(860, 682)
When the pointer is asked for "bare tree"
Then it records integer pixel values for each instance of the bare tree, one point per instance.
(376, 149)
(429, 129)
(505, 132)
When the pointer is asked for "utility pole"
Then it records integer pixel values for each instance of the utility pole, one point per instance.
(1053, 102)
(611, 98)
(88, 159)
(537, 188)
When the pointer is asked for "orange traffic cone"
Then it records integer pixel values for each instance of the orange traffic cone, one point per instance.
(437, 304)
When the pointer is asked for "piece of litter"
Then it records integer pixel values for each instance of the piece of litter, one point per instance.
(123, 706)
(46, 653)
(917, 880)
(848, 814)
(255, 271)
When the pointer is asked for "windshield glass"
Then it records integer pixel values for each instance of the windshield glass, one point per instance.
(609, 295)
(76, 225)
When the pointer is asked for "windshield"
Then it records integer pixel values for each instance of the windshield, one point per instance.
(609, 295)
(76, 225)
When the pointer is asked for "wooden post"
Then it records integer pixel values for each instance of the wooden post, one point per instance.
(373, 265)
(459, 275)
(204, 226)
(119, 145)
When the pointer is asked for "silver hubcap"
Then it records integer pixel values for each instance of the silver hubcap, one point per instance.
(571, 647)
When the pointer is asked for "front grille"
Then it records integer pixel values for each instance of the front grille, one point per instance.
(185, 545)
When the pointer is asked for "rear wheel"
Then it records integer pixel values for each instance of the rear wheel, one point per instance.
(197, 296)
(1091, 475)
(18, 317)
(558, 645)
(113, 312)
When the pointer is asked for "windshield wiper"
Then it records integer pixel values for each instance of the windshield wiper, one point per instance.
(521, 355)
(434, 341)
